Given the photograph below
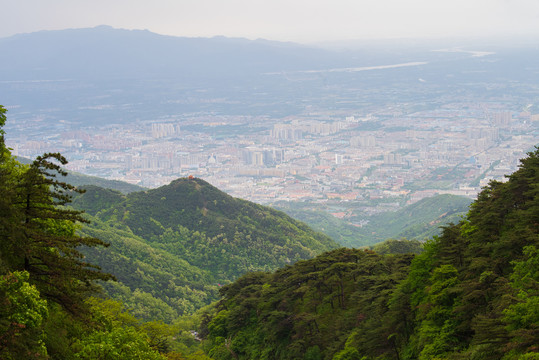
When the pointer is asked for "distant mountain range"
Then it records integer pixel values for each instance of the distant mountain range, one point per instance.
(106, 53)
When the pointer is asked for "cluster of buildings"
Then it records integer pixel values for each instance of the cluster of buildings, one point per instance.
(376, 161)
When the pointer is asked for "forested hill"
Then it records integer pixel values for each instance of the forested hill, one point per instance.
(171, 247)
(472, 294)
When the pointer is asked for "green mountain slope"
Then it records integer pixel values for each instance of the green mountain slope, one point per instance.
(420, 220)
(473, 293)
(153, 283)
(340, 230)
(178, 242)
(77, 179)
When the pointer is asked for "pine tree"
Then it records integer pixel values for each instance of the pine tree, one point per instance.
(7, 177)
(44, 241)
(3, 111)
(38, 233)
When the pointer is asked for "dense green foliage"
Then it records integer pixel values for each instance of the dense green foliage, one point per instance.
(473, 293)
(401, 246)
(22, 315)
(420, 221)
(153, 283)
(39, 236)
(169, 256)
(308, 310)
(173, 246)
(96, 199)
(46, 311)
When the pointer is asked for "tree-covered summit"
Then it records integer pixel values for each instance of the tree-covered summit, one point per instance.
(194, 203)
(234, 235)
(172, 247)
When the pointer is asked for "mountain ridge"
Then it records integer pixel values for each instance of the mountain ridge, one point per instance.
(104, 52)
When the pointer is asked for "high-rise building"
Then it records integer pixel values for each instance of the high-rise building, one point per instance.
(286, 132)
(367, 141)
(502, 118)
(160, 130)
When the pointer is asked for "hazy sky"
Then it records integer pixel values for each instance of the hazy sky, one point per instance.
(291, 20)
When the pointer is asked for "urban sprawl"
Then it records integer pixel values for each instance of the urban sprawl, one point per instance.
(382, 160)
